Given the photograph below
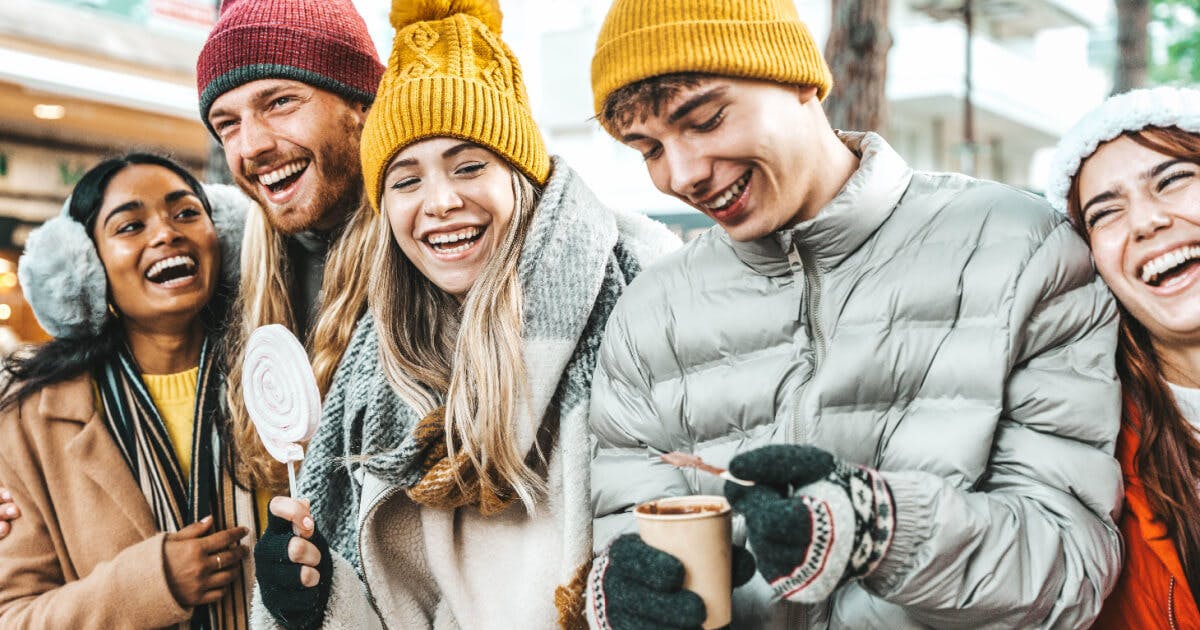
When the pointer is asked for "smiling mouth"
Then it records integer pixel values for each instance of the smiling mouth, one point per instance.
(1169, 265)
(172, 271)
(284, 176)
(726, 199)
(455, 242)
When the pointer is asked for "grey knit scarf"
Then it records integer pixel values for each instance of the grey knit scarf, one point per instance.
(577, 260)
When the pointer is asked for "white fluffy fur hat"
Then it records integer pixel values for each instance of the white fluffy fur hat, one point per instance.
(64, 281)
(1131, 111)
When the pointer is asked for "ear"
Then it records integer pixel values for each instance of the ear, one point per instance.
(807, 93)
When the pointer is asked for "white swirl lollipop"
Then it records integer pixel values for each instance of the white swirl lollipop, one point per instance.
(281, 394)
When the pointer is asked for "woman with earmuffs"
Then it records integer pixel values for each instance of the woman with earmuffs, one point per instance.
(111, 434)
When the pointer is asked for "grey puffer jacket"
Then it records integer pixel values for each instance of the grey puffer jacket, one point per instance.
(948, 331)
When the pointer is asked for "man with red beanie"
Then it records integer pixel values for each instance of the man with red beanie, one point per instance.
(285, 86)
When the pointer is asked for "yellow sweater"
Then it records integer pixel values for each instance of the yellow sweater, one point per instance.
(174, 396)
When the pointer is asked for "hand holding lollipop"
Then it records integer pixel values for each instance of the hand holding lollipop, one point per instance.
(281, 395)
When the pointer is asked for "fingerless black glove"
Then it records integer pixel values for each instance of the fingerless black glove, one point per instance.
(814, 522)
(294, 606)
(637, 587)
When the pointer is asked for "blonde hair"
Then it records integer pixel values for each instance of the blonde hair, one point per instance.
(264, 298)
(467, 356)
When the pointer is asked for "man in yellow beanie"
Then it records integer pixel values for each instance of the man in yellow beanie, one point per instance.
(916, 369)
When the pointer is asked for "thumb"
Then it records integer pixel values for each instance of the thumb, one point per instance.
(195, 530)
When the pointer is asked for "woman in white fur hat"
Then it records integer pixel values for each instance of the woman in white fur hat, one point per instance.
(1128, 174)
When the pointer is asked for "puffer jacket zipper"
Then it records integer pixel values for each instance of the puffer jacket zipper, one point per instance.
(804, 269)
(1171, 606)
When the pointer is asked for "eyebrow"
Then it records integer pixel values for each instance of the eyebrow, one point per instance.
(1109, 195)
(447, 154)
(259, 96)
(696, 101)
(129, 206)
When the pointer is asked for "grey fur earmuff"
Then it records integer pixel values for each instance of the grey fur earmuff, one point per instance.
(64, 281)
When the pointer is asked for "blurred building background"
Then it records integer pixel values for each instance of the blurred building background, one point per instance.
(83, 79)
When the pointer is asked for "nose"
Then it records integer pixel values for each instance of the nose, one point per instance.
(254, 139)
(689, 172)
(440, 198)
(163, 231)
(1149, 216)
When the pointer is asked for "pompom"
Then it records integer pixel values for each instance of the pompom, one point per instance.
(407, 12)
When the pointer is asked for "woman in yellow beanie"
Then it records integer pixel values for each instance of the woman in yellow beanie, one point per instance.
(461, 401)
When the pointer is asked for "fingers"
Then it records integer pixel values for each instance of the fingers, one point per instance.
(303, 552)
(309, 576)
(226, 559)
(294, 511)
(783, 521)
(223, 539)
(4, 528)
(211, 597)
(783, 465)
(195, 530)
(677, 609)
(641, 563)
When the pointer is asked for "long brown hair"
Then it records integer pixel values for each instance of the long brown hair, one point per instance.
(1168, 456)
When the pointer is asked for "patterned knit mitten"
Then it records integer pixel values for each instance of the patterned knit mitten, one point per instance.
(637, 587)
(293, 605)
(814, 521)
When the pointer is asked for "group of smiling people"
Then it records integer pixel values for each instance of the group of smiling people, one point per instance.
(949, 419)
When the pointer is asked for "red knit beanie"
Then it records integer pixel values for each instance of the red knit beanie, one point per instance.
(320, 42)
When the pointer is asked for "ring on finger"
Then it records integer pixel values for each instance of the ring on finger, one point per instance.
(219, 567)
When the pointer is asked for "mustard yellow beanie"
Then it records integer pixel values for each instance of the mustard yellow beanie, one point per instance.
(450, 75)
(751, 39)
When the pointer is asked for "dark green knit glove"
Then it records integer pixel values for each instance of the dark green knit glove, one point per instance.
(294, 605)
(813, 521)
(637, 587)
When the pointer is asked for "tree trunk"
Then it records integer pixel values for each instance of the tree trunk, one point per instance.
(857, 51)
(1133, 58)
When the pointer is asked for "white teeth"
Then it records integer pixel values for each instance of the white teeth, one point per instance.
(1168, 261)
(282, 173)
(730, 194)
(168, 263)
(444, 239)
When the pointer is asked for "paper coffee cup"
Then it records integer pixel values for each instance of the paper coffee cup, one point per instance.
(696, 530)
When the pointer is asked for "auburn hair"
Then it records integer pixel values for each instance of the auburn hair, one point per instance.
(1168, 456)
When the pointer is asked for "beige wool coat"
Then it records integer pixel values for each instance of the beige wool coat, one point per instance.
(85, 552)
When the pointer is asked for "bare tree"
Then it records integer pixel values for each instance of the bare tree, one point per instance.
(857, 51)
(1133, 56)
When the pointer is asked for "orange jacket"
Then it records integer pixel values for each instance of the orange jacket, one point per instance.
(1152, 591)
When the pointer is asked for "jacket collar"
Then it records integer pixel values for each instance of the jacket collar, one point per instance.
(72, 400)
(842, 226)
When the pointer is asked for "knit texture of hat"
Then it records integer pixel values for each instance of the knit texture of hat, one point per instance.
(450, 75)
(323, 43)
(752, 39)
(1131, 111)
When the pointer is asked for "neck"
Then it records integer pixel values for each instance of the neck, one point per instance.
(1180, 364)
(838, 164)
(166, 351)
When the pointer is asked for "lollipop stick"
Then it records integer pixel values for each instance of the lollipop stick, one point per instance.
(292, 480)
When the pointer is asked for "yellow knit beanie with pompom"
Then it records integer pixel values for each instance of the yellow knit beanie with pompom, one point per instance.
(449, 74)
